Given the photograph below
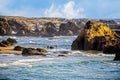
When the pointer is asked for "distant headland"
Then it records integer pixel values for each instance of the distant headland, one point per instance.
(47, 27)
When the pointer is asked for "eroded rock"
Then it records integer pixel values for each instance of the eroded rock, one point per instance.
(97, 36)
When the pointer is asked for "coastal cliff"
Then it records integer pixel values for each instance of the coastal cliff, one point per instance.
(98, 36)
(46, 27)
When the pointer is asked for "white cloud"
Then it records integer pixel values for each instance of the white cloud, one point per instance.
(69, 10)
(52, 12)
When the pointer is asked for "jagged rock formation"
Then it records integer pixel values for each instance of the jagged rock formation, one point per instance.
(21, 26)
(69, 28)
(49, 30)
(5, 28)
(97, 36)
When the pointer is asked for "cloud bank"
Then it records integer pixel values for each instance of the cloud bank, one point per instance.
(68, 10)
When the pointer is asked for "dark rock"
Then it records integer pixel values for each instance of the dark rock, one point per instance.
(64, 52)
(2, 45)
(111, 49)
(97, 36)
(41, 49)
(5, 28)
(61, 55)
(50, 47)
(32, 51)
(49, 30)
(21, 32)
(11, 40)
(5, 42)
(29, 51)
(2, 31)
(18, 48)
(117, 56)
(68, 29)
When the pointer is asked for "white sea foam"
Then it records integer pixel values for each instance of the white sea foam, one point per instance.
(15, 64)
(14, 37)
(23, 62)
(33, 60)
(91, 54)
(4, 65)
(31, 42)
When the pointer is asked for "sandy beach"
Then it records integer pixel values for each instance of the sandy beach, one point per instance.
(9, 50)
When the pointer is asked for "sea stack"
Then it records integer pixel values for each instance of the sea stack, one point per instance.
(98, 36)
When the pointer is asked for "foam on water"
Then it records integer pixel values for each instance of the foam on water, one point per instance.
(24, 62)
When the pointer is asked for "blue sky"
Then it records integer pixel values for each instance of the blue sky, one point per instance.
(95, 9)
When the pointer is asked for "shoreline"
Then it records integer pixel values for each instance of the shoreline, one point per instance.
(9, 50)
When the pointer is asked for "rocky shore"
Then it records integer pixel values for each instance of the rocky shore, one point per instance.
(7, 46)
(46, 27)
(100, 35)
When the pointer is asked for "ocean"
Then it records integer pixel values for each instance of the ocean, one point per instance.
(77, 65)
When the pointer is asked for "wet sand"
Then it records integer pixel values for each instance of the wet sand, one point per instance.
(9, 50)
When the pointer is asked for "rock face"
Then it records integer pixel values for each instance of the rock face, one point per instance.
(49, 30)
(68, 29)
(97, 36)
(5, 29)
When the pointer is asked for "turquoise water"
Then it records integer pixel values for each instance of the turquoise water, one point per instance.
(76, 65)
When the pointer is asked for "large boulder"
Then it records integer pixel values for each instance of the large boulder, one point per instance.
(97, 36)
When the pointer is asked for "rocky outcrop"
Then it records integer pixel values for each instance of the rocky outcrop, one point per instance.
(7, 42)
(97, 36)
(33, 51)
(49, 30)
(11, 40)
(69, 28)
(48, 27)
(5, 29)
(18, 48)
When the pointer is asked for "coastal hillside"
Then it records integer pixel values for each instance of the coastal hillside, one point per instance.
(46, 27)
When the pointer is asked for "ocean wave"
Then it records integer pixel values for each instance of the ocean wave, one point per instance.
(15, 64)
(33, 60)
(23, 62)
(85, 53)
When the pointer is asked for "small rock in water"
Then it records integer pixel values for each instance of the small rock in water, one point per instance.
(61, 55)
(11, 40)
(18, 48)
(41, 49)
(33, 51)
